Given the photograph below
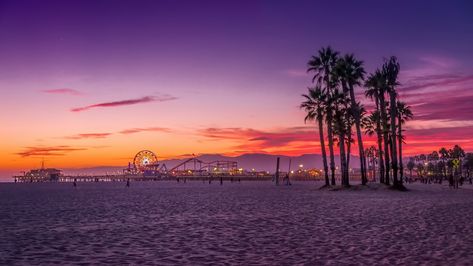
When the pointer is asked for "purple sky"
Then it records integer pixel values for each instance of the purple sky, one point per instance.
(229, 38)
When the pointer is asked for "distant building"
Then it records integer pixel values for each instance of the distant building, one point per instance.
(40, 175)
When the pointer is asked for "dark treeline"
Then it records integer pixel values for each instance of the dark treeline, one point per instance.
(341, 119)
(452, 165)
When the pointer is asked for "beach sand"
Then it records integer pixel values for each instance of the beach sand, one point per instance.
(252, 223)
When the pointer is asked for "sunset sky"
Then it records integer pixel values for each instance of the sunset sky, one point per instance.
(88, 83)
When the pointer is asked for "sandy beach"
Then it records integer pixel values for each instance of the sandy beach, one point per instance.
(252, 223)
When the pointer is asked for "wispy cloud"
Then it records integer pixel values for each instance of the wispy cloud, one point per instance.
(125, 132)
(145, 99)
(440, 97)
(291, 140)
(439, 61)
(435, 81)
(148, 129)
(439, 123)
(63, 91)
(48, 151)
(89, 136)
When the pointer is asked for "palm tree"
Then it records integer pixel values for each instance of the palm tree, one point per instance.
(433, 157)
(351, 72)
(458, 153)
(314, 107)
(444, 156)
(323, 65)
(349, 137)
(391, 71)
(341, 109)
(375, 90)
(371, 154)
(349, 140)
(382, 84)
(404, 113)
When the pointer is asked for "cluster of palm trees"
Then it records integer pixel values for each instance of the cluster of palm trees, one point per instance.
(440, 165)
(332, 103)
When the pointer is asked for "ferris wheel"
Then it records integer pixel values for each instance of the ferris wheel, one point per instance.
(145, 160)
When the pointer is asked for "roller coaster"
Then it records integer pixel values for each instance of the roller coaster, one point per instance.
(197, 167)
(145, 163)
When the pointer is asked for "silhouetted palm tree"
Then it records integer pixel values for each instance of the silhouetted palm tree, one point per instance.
(457, 153)
(404, 113)
(351, 73)
(322, 66)
(375, 88)
(444, 156)
(371, 154)
(314, 107)
(433, 163)
(391, 71)
(341, 124)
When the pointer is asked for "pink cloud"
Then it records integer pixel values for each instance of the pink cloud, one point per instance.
(149, 129)
(435, 81)
(63, 91)
(145, 99)
(292, 140)
(48, 151)
(90, 136)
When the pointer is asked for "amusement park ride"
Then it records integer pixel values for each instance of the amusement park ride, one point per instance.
(145, 163)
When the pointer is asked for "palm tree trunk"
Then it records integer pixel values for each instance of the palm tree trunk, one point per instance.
(330, 146)
(393, 106)
(361, 150)
(348, 151)
(385, 137)
(401, 165)
(380, 140)
(343, 161)
(370, 168)
(324, 153)
(374, 167)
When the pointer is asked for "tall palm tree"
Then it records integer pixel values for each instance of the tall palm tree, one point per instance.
(391, 71)
(322, 66)
(349, 136)
(351, 72)
(375, 85)
(314, 107)
(404, 113)
(341, 108)
(349, 140)
(381, 80)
